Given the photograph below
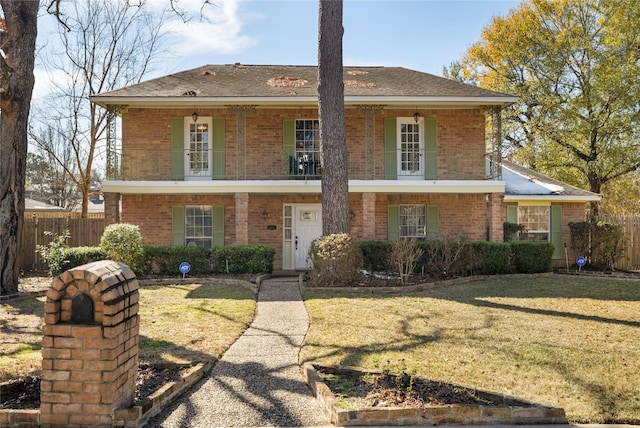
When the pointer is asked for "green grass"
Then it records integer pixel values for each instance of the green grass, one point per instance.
(562, 341)
(180, 323)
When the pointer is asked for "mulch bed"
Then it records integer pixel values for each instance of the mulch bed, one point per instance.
(24, 392)
(367, 390)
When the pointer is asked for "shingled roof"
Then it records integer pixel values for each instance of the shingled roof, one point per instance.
(281, 84)
(525, 184)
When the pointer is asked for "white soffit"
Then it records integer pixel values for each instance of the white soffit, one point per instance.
(301, 186)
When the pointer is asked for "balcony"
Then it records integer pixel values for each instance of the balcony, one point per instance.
(150, 164)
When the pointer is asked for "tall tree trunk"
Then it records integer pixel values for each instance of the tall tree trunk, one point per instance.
(16, 87)
(335, 184)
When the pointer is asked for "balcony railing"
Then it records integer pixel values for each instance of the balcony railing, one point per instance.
(146, 164)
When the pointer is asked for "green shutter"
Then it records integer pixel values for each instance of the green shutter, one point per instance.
(177, 148)
(433, 222)
(218, 225)
(390, 149)
(556, 231)
(393, 223)
(177, 226)
(431, 158)
(289, 146)
(218, 147)
(512, 214)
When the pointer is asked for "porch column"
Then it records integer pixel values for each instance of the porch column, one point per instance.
(368, 216)
(496, 216)
(369, 112)
(240, 113)
(111, 208)
(242, 218)
(495, 142)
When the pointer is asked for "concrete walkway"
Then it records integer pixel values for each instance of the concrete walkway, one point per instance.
(257, 383)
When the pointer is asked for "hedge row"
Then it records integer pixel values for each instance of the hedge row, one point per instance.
(481, 257)
(166, 260)
(484, 258)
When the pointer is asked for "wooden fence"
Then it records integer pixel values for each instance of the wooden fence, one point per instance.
(631, 232)
(83, 231)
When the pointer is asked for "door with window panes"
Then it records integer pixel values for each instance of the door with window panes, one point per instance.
(410, 148)
(197, 148)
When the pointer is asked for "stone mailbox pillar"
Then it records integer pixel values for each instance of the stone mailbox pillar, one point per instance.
(89, 345)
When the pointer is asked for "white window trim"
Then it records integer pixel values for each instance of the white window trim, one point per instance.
(537, 231)
(424, 221)
(419, 174)
(188, 120)
(187, 237)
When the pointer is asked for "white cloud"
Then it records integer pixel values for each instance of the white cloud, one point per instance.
(44, 82)
(217, 31)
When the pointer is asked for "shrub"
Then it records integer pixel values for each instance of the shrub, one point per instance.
(243, 259)
(581, 238)
(78, 256)
(53, 253)
(165, 260)
(375, 255)
(532, 257)
(336, 260)
(405, 254)
(489, 258)
(445, 257)
(607, 244)
(511, 231)
(601, 243)
(123, 242)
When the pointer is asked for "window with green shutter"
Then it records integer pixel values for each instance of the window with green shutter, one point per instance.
(556, 231)
(198, 225)
(410, 148)
(177, 148)
(218, 149)
(413, 222)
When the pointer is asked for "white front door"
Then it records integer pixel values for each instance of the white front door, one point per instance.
(307, 226)
(410, 148)
(197, 149)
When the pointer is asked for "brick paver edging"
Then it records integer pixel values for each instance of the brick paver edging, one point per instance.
(127, 418)
(515, 411)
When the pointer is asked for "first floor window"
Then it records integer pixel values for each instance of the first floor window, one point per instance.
(198, 226)
(413, 221)
(535, 220)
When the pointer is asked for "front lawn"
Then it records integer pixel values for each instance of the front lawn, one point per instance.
(179, 323)
(563, 341)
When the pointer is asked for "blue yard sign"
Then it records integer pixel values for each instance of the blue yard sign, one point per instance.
(185, 268)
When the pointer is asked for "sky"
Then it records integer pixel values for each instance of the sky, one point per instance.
(422, 35)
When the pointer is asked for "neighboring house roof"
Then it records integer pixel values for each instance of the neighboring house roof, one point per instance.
(278, 84)
(33, 205)
(525, 184)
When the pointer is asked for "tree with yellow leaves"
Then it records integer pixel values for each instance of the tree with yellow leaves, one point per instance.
(575, 64)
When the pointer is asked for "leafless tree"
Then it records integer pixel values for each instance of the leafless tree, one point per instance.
(104, 44)
(47, 176)
(335, 184)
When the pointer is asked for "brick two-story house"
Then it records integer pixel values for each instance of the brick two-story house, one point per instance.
(230, 154)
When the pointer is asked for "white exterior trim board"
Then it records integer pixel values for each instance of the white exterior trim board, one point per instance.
(300, 186)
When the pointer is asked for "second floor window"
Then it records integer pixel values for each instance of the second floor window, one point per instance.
(308, 146)
(410, 148)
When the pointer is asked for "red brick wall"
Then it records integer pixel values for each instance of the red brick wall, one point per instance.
(146, 135)
(89, 368)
